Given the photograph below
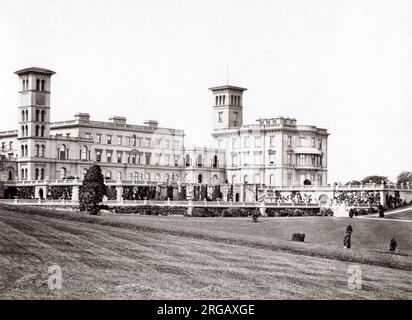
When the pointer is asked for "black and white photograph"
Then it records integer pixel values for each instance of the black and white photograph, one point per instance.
(182, 150)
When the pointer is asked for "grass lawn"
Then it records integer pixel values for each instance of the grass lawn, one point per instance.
(144, 257)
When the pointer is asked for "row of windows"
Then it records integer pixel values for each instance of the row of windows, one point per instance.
(39, 131)
(3, 146)
(200, 161)
(134, 141)
(40, 84)
(40, 115)
(221, 100)
(272, 142)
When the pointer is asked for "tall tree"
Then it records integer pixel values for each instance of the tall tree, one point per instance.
(92, 191)
(404, 177)
(375, 179)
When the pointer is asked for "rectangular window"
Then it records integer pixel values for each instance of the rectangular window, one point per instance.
(257, 142)
(134, 158)
(99, 138)
(320, 144)
(88, 135)
(98, 156)
(119, 140)
(147, 142)
(234, 143)
(167, 144)
(289, 179)
(271, 159)
(119, 157)
(220, 115)
(176, 145)
(109, 139)
(289, 141)
(272, 141)
(157, 142)
(246, 142)
(3, 146)
(128, 141)
(148, 155)
(109, 157)
(11, 145)
(290, 159)
(157, 159)
(313, 142)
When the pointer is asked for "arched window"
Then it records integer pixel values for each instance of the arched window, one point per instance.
(43, 85)
(167, 177)
(200, 178)
(27, 131)
(63, 172)
(147, 176)
(10, 175)
(119, 176)
(216, 179)
(141, 176)
(231, 99)
(42, 174)
(188, 160)
(62, 152)
(245, 179)
(37, 174)
(177, 177)
(199, 160)
(37, 115)
(84, 172)
(22, 116)
(157, 177)
(38, 84)
(22, 151)
(109, 175)
(43, 150)
(22, 174)
(83, 153)
(42, 131)
(130, 176)
(217, 100)
(215, 161)
(37, 130)
(37, 150)
(26, 152)
(224, 98)
(22, 131)
(220, 100)
(43, 115)
(136, 176)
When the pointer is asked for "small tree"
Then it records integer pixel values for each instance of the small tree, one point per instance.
(405, 177)
(375, 179)
(92, 191)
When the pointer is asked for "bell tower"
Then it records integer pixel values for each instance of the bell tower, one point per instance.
(34, 120)
(227, 106)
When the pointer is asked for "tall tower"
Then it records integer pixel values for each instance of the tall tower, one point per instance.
(34, 121)
(227, 106)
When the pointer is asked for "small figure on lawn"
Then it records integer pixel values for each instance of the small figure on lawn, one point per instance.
(392, 246)
(255, 217)
(347, 239)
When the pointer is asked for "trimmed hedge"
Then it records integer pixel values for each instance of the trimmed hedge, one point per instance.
(291, 212)
(150, 210)
(224, 212)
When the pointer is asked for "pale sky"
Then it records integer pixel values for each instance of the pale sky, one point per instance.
(341, 65)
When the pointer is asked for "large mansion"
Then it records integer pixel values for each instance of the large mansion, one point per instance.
(275, 151)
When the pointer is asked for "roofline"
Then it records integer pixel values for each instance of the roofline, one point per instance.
(35, 70)
(227, 87)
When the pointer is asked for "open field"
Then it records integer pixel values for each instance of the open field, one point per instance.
(144, 257)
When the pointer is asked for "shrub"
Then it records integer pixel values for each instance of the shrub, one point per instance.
(298, 237)
(111, 193)
(60, 192)
(150, 210)
(371, 210)
(361, 212)
(326, 212)
(25, 192)
(92, 191)
(351, 212)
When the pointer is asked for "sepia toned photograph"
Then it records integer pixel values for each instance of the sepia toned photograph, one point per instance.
(175, 150)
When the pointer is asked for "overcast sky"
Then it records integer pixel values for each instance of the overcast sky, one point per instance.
(341, 65)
